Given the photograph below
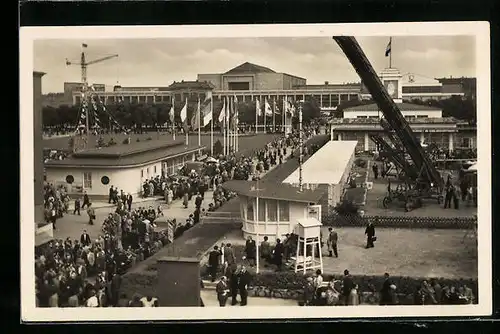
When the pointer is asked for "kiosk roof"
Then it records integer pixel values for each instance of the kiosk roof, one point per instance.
(271, 190)
(327, 165)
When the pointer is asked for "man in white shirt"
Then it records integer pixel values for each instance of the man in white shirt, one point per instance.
(92, 301)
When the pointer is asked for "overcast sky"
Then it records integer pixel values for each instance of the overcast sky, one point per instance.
(158, 62)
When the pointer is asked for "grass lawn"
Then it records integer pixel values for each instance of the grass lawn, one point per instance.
(400, 252)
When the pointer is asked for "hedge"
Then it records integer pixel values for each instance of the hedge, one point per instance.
(334, 219)
(367, 283)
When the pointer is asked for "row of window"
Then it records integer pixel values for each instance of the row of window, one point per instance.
(406, 117)
(87, 180)
(268, 210)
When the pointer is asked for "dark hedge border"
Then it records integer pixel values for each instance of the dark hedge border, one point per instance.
(461, 223)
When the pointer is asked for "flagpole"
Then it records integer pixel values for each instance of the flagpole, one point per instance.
(283, 115)
(274, 115)
(265, 115)
(224, 125)
(237, 127)
(257, 228)
(212, 126)
(390, 52)
(227, 126)
(186, 129)
(199, 122)
(257, 102)
(173, 118)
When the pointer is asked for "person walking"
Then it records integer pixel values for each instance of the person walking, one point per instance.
(77, 206)
(213, 262)
(331, 243)
(370, 235)
(244, 279)
(91, 213)
(222, 291)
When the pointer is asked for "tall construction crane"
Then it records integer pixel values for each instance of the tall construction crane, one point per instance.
(83, 65)
(428, 180)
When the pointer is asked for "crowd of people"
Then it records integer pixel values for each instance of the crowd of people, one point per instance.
(56, 202)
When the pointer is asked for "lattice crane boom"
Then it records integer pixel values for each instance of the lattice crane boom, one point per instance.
(83, 63)
(391, 112)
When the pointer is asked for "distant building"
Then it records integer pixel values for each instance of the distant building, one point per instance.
(55, 100)
(426, 122)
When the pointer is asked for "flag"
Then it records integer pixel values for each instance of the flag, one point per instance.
(172, 113)
(290, 108)
(388, 48)
(267, 108)
(234, 118)
(257, 108)
(276, 108)
(206, 110)
(222, 114)
(194, 119)
(84, 45)
(184, 116)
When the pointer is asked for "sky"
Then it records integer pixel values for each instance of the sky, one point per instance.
(159, 62)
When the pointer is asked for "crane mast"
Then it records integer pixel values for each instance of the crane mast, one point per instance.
(83, 66)
(392, 114)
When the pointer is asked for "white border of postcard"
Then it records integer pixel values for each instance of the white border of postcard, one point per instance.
(28, 34)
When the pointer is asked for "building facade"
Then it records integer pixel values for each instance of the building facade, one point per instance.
(426, 122)
(249, 82)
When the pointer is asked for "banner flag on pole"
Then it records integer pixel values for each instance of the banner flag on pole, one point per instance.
(268, 110)
(206, 110)
(196, 116)
(257, 108)
(171, 114)
(222, 114)
(388, 48)
(184, 116)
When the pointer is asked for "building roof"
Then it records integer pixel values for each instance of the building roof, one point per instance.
(402, 106)
(38, 73)
(249, 68)
(316, 171)
(202, 85)
(351, 88)
(423, 120)
(120, 156)
(272, 190)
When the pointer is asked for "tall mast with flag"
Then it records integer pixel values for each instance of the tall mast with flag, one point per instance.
(235, 121)
(196, 121)
(268, 111)
(208, 111)
(222, 118)
(172, 116)
(388, 51)
(257, 114)
(283, 114)
(184, 121)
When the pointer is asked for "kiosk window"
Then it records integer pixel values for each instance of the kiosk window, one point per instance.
(272, 210)
(284, 210)
(250, 210)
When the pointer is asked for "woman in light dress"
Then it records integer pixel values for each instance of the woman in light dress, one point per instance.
(353, 296)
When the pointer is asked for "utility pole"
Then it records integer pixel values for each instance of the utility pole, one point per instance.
(83, 66)
(301, 151)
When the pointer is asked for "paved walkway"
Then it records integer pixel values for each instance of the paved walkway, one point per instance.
(209, 298)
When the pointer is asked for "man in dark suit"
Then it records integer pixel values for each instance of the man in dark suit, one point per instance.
(77, 206)
(86, 200)
(213, 262)
(370, 235)
(233, 284)
(244, 279)
(347, 286)
(278, 254)
(129, 202)
(85, 239)
(198, 201)
(385, 292)
(332, 242)
(222, 291)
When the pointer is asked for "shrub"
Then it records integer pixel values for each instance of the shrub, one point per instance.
(346, 207)
(362, 163)
(138, 139)
(100, 142)
(149, 138)
(111, 142)
(126, 141)
(367, 283)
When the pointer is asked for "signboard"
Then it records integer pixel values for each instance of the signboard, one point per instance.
(314, 211)
(392, 88)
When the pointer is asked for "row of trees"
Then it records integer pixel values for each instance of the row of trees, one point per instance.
(149, 115)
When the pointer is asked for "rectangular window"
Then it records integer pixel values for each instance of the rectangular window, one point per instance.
(250, 209)
(142, 172)
(262, 210)
(284, 211)
(155, 169)
(87, 180)
(147, 171)
(466, 142)
(272, 210)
